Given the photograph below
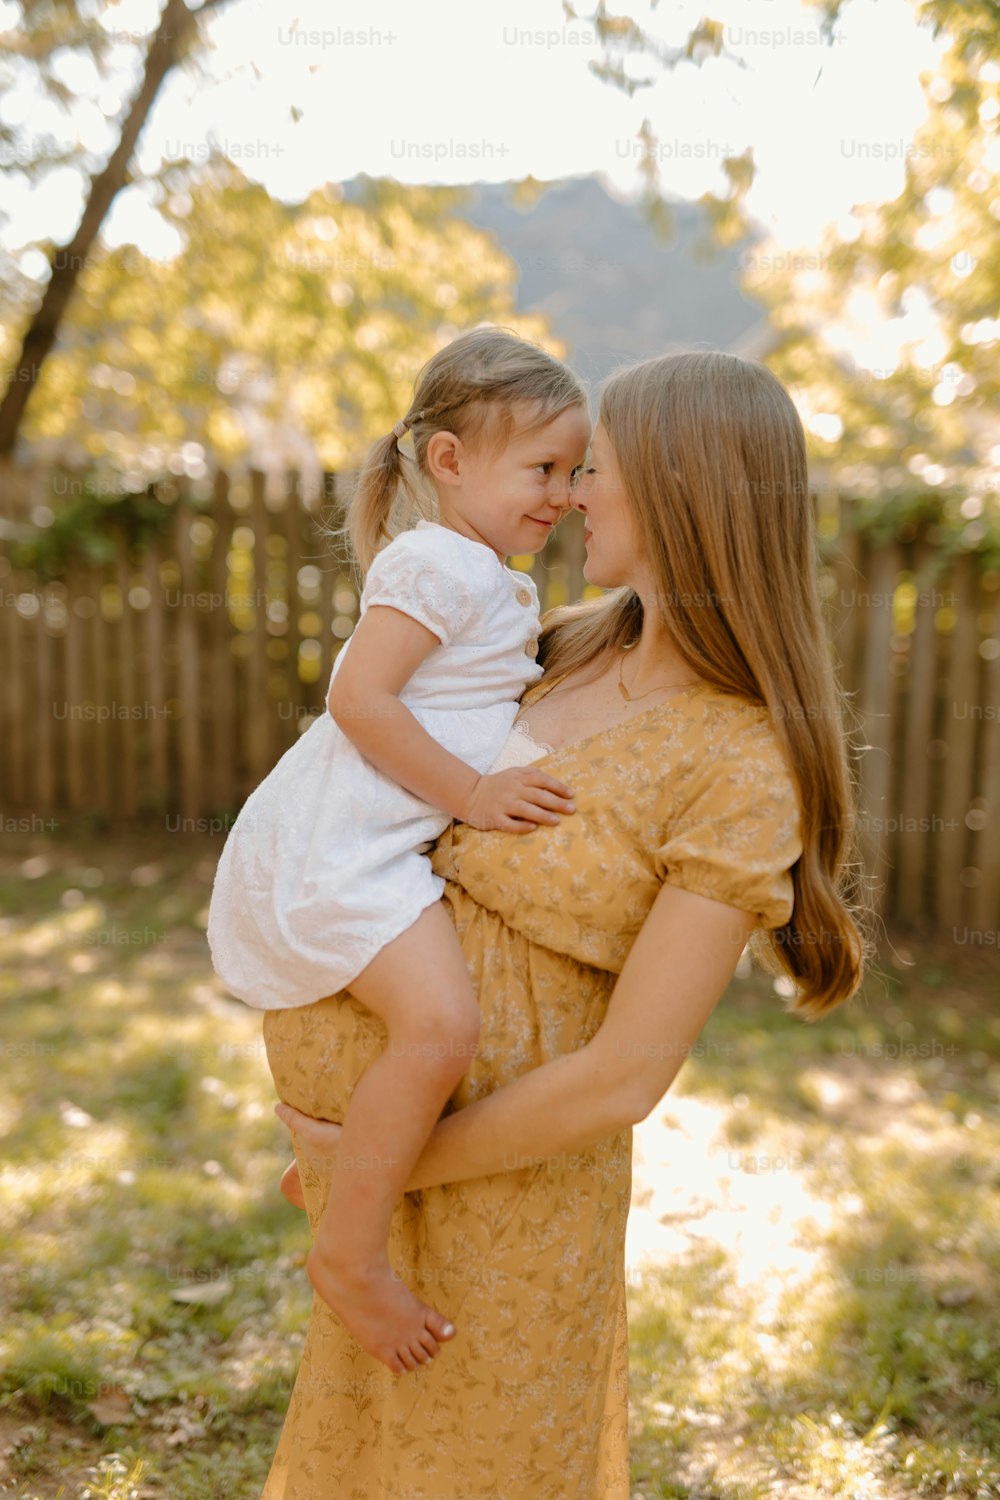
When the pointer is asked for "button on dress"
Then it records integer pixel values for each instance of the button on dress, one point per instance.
(326, 863)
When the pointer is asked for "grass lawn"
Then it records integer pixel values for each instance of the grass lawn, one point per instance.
(820, 1315)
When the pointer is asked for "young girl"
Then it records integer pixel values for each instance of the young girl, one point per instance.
(323, 883)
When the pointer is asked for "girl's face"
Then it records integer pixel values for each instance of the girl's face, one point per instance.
(512, 500)
(614, 549)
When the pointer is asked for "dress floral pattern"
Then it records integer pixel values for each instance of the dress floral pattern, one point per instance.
(530, 1400)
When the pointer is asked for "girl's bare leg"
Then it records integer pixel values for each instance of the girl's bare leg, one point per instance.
(420, 988)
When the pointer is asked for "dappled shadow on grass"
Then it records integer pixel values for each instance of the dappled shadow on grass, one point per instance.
(143, 1160)
(841, 1346)
(866, 1170)
(906, 1315)
(925, 1016)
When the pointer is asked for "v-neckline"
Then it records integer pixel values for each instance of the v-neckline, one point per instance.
(609, 728)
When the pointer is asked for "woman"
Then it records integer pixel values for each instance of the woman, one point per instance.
(693, 711)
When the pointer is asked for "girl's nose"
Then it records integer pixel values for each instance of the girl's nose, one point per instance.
(561, 493)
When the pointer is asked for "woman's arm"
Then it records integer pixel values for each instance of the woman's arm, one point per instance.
(674, 976)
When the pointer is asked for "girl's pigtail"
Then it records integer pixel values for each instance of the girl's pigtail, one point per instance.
(383, 476)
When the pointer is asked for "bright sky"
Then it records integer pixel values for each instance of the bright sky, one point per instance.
(464, 90)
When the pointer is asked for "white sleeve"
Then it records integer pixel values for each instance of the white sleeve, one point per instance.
(423, 577)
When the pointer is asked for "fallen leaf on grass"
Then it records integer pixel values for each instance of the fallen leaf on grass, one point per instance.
(956, 1296)
(206, 1293)
(112, 1406)
(185, 1433)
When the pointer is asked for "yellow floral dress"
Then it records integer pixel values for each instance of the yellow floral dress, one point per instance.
(530, 1400)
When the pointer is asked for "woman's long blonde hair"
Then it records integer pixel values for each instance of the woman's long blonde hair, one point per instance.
(469, 388)
(713, 462)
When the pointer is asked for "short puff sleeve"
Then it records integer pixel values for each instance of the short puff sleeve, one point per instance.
(737, 840)
(421, 574)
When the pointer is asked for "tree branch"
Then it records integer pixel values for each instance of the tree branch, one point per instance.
(165, 50)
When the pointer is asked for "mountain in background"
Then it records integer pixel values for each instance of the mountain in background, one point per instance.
(612, 290)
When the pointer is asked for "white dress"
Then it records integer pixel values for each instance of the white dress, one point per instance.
(326, 863)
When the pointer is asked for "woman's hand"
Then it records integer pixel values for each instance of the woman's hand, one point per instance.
(318, 1140)
(517, 800)
(317, 1137)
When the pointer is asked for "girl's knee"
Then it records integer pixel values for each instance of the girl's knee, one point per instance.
(450, 1011)
(442, 1033)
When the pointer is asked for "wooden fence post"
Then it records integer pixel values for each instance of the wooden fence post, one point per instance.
(915, 771)
(257, 719)
(986, 840)
(158, 770)
(222, 662)
(875, 705)
(45, 779)
(15, 704)
(77, 780)
(959, 735)
(127, 682)
(102, 680)
(189, 729)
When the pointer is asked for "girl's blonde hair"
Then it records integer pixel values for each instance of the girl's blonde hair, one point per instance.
(469, 388)
(713, 463)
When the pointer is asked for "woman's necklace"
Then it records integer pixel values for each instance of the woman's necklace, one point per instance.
(634, 697)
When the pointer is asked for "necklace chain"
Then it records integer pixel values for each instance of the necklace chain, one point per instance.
(634, 697)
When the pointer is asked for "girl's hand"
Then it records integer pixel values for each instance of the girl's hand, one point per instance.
(517, 800)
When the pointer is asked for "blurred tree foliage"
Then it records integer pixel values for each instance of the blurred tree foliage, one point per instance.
(633, 60)
(63, 60)
(51, 42)
(75, 81)
(282, 333)
(285, 332)
(37, 56)
(913, 431)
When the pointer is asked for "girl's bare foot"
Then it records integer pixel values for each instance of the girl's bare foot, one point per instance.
(383, 1315)
(291, 1185)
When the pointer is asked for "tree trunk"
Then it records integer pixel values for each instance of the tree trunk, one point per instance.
(165, 50)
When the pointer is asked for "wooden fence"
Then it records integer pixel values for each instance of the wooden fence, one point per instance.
(161, 686)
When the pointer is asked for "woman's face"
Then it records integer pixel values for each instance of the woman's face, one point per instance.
(614, 555)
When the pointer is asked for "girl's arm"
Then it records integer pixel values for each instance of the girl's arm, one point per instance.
(674, 976)
(387, 647)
